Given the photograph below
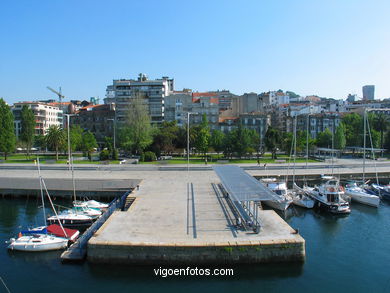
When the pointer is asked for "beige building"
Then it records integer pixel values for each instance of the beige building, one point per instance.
(45, 116)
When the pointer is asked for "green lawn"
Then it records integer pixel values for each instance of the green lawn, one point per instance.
(49, 159)
(197, 160)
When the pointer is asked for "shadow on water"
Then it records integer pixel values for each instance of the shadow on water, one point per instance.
(35, 257)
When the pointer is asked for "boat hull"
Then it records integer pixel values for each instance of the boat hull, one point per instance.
(364, 198)
(27, 243)
(72, 223)
(278, 205)
(308, 204)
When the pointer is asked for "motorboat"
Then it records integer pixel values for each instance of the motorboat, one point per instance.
(329, 196)
(381, 190)
(93, 204)
(359, 194)
(93, 213)
(69, 219)
(280, 192)
(37, 242)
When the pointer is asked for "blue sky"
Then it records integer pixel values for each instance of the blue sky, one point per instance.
(330, 48)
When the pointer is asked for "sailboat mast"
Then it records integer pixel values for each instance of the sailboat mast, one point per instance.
(334, 118)
(307, 139)
(364, 143)
(40, 185)
(295, 146)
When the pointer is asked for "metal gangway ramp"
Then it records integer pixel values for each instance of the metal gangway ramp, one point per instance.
(244, 192)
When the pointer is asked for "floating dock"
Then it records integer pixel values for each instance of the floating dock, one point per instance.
(180, 217)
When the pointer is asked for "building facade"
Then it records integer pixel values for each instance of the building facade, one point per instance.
(369, 92)
(99, 119)
(123, 91)
(45, 116)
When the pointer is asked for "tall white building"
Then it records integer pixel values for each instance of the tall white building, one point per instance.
(122, 91)
(369, 92)
(45, 116)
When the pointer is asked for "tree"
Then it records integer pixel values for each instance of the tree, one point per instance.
(242, 141)
(27, 120)
(202, 139)
(7, 132)
(324, 139)
(353, 124)
(88, 143)
(228, 142)
(387, 141)
(217, 140)
(76, 137)
(164, 138)
(56, 138)
(40, 142)
(381, 123)
(339, 137)
(137, 133)
(272, 140)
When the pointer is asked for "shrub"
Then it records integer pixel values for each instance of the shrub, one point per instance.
(148, 157)
(104, 155)
(115, 154)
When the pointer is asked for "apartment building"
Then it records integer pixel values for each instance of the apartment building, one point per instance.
(122, 91)
(99, 119)
(45, 116)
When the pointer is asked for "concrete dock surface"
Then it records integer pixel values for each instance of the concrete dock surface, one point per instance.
(179, 217)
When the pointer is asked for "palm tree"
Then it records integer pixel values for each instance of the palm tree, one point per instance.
(55, 138)
(381, 123)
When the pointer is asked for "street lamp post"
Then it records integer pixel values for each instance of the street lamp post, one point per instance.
(188, 139)
(114, 124)
(68, 126)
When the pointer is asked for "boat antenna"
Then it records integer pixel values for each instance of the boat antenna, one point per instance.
(40, 185)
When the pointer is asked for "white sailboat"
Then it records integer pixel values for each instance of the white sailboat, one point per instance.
(38, 241)
(355, 192)
(299, 197)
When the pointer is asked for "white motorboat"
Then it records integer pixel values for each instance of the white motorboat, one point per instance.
(329, 196)
(37, 242)
(93, 204)
(279, 189)
(93, 213)
(69, 218)
(359, 194)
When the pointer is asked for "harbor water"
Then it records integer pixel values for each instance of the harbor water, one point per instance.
(343, 254)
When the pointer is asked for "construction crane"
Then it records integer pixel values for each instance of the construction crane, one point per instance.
(60, 95)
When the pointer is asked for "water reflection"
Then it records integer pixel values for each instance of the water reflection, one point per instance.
(9, 213)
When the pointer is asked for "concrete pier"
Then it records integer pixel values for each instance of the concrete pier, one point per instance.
(179, 218)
